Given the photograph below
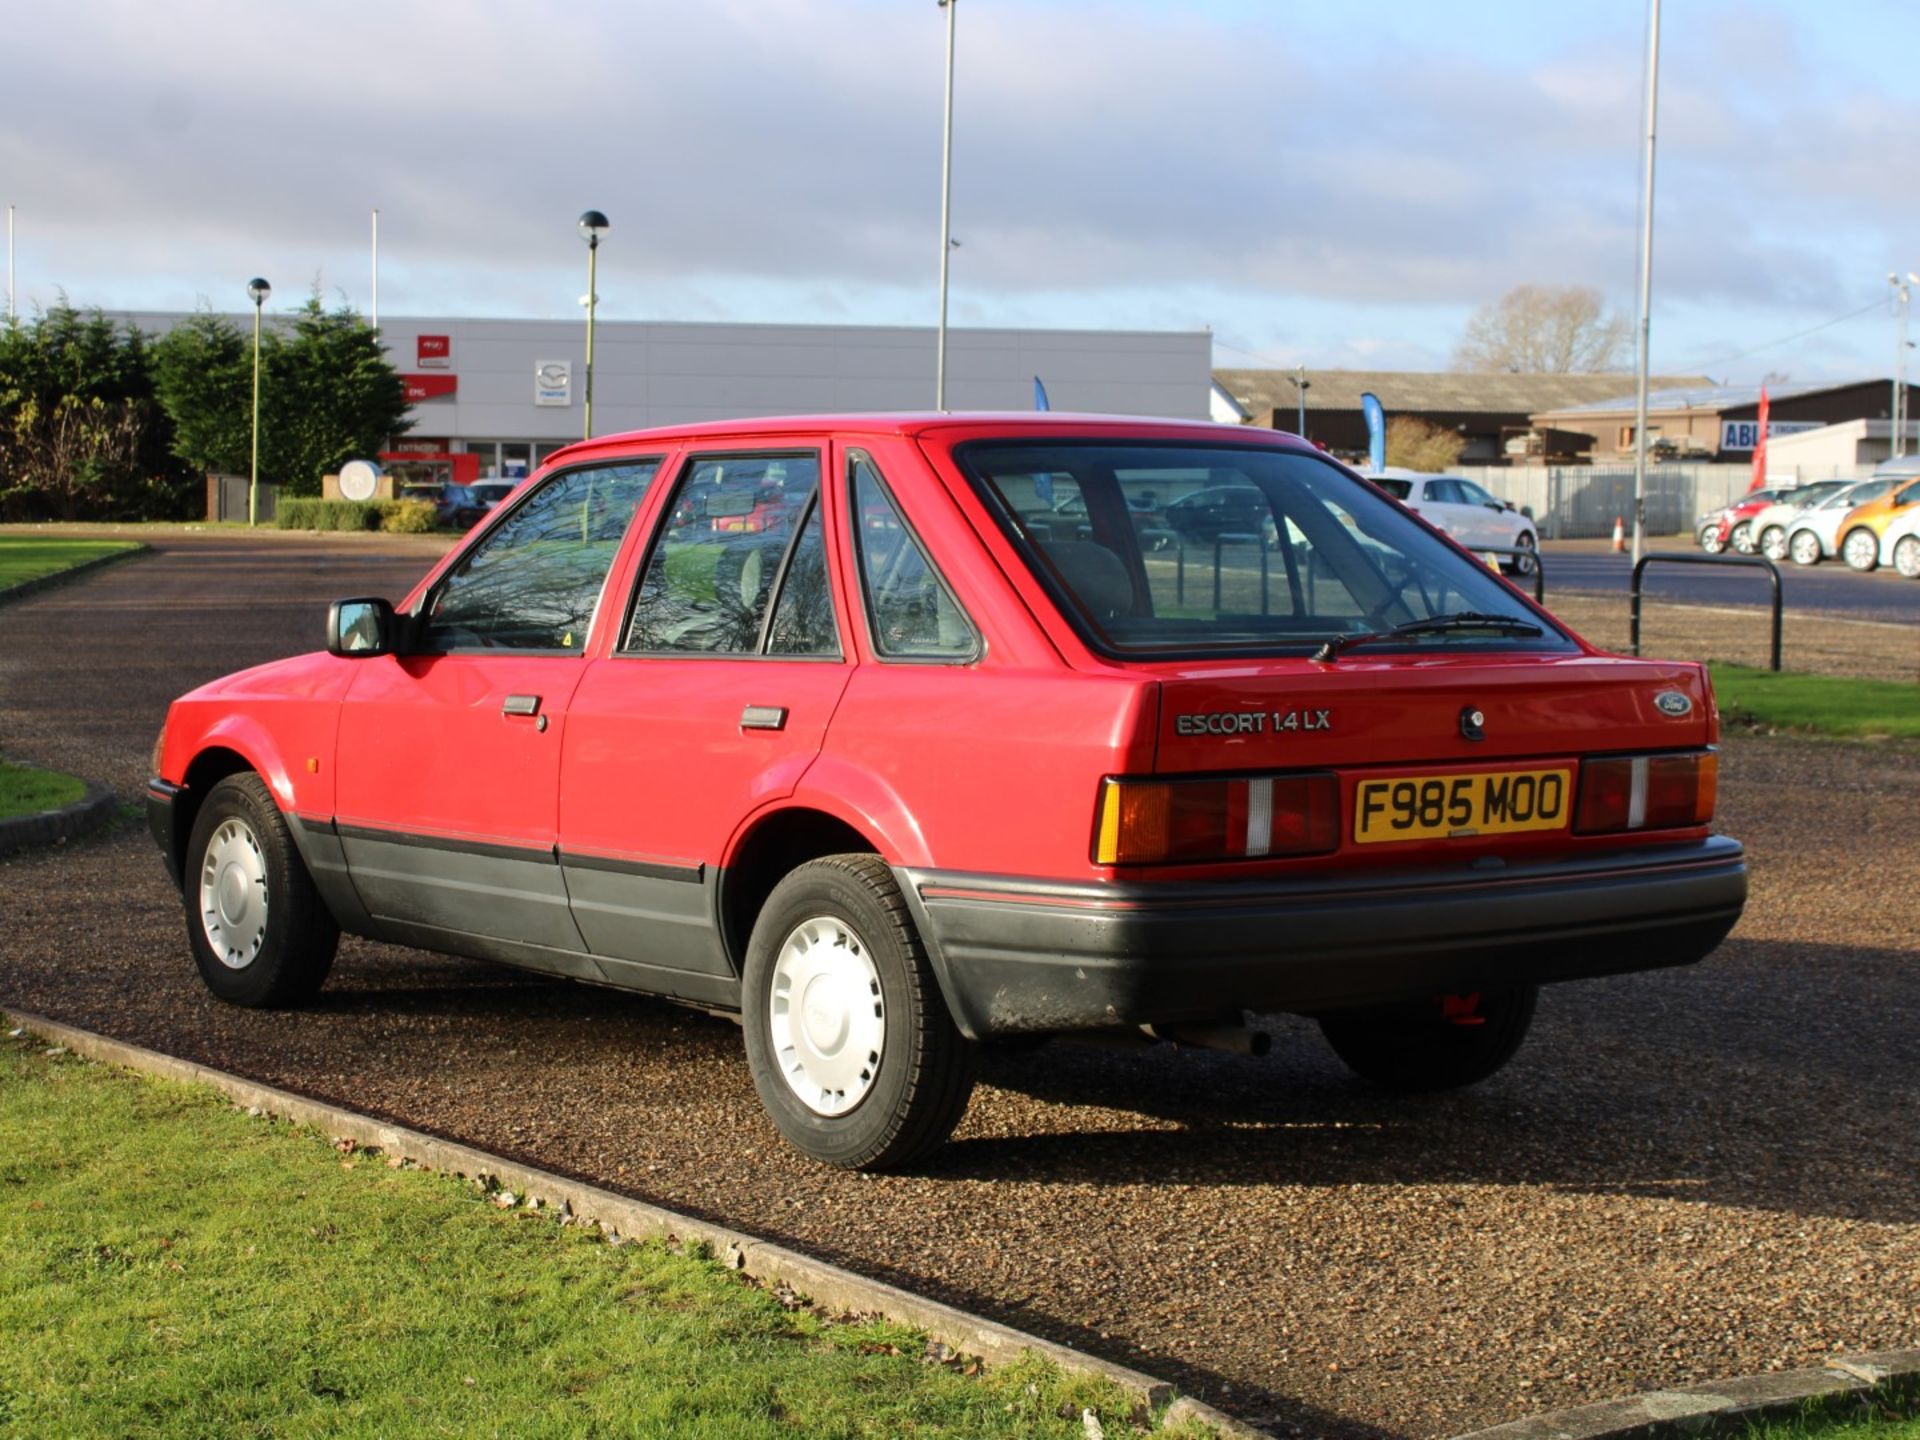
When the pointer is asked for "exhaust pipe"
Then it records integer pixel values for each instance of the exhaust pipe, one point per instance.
(1235, 1039)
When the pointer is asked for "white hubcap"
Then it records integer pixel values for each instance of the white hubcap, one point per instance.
(233, 894)
(827, 1019)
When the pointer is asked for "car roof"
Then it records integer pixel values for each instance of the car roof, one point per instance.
(910, 424)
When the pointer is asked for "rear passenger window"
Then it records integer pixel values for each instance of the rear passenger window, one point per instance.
(709, 583)
(910, 612)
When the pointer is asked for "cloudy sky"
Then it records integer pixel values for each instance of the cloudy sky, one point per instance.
(1334, 185)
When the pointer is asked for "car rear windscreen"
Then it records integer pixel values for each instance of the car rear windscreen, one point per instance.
(1164, 550)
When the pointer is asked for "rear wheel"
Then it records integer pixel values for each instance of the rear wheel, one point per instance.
(1713, 539)
(1773, 542)
(260, 933)
(1861, 549)
(851, 1047)
(1804, 547)
(1741, 537)
(1906, 557)
(1438, 1044)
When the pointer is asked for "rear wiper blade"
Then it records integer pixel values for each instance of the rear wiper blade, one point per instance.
(1434, 625)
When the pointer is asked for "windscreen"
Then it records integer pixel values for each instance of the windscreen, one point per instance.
(1181, 549)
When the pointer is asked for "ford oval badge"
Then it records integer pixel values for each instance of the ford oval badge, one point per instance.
(1672, 702)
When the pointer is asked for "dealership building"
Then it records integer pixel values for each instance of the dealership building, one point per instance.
(508, 393)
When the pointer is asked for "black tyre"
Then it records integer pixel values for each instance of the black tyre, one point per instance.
(851, 1046)
(1773, 542)
(1861, 549)
(1438, 1044)
(1906, 557)
(1740, 538)
(1521, 564)
(1804, 548)
(1711, 539)
(258, 929)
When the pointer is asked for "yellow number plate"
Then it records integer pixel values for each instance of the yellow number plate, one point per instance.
(1440, 807)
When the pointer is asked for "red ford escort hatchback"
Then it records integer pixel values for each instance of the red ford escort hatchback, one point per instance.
(895, 734)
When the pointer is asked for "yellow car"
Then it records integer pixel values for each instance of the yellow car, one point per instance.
(1860, 532)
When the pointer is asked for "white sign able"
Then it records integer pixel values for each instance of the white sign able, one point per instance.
(1745, 434)
(553, 382)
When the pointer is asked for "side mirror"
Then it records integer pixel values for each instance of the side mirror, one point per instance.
(359, 628)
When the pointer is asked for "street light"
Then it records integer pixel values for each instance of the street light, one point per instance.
(592, 226)
(1898, 442)
(1301, 385)
(259, 290)
(947, 241)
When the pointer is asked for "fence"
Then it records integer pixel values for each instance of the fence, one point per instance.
(1574, 502)
(227, 498)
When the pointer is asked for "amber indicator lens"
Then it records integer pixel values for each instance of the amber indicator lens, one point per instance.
(1647, 792)
(1182, 821)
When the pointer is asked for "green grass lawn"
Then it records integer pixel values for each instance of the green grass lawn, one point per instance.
(25, 557)
(25, 791)
(1817, 704)
(170, 1266)
(1902, 1424)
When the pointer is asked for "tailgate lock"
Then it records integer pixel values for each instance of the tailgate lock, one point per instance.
(1471, 723)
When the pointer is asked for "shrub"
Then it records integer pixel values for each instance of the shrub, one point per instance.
(406, 517)
(301, 512)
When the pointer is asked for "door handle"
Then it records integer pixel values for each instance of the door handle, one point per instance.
(521, 705)
(764, 717)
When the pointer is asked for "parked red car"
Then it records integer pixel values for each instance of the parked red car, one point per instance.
(924, 767)
(1731, 526)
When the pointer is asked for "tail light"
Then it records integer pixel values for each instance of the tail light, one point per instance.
(1144, 822)
(1646, 792)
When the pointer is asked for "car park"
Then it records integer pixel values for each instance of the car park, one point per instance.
(1863, 527)
(1814, 533)
(1465, 511)
(1769, 526)
(915, 771)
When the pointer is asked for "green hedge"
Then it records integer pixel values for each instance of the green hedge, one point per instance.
(305, 513)
(402, 517)
(406, 517)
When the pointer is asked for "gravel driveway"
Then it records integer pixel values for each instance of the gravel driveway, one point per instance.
(1683, 1176)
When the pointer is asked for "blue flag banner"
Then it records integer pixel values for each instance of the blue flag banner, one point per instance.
(1376, 431)
(1040, 395)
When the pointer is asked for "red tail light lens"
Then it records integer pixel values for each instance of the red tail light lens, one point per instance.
(1646, 792)
(1143, 822)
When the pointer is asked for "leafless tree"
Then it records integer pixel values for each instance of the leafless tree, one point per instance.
(1544, 329)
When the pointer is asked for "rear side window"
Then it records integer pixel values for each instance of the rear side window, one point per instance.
(741, 530)
(533, 582)
(1170, 549)
(911, 614)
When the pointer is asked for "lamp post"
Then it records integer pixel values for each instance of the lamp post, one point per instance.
(946, 217)
(1300, 387)
(259, 290)
(1641, 358)
(1897, 446)
(592, 226)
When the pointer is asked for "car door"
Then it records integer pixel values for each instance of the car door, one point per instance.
(1440, 506)
(1492, 522)
(448, 761)
(711, 704)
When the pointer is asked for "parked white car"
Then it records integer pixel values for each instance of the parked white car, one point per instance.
(1900, 546)
(1465, 511)
(1814, 534)
(1771, 526)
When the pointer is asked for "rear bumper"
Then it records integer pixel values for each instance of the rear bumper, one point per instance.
(1016, 956)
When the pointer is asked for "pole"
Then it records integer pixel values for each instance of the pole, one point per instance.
(946, 218)
(374, 314)
(253, 480)
(1646, 290)
(593, 256)
(1300, 395)
(1898, 440)
(13, 312)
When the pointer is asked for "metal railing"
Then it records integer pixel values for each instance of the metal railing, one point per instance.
(1519, 552)
(1675, 557)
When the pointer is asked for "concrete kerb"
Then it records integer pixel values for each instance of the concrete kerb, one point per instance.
(93, 811)
(825, 1285)
(1729, 1407)
(72, 572)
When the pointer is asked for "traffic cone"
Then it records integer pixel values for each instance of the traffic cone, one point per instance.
(1619, 536)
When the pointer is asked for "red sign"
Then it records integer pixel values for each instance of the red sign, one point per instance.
(434, 352)
(429, 387)
(1760, 446)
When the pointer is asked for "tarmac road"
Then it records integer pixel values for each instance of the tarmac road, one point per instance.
(1829, 586)
(1683, 1176)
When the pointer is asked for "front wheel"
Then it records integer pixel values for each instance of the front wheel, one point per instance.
(1773, 542)
(1438, 1044)
(1713, 539)
(1804, 547)
(851, 1047)
(1741, 537)
(1906, 557)
(1861, 550)
(259, 931)
(1522, 564)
